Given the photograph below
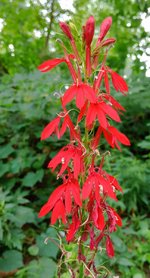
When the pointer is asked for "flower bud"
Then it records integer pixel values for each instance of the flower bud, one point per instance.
(89, 30)
(66, 29)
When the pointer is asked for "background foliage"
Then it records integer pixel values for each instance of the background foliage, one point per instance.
(28, 101)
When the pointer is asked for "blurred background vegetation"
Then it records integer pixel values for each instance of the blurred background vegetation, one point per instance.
(28, 33)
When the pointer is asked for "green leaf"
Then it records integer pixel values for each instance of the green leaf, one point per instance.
(125, 262)
(43, 268)
(48, 249)
(5, 151)
(11, 260)
(32, 178)
(23, 215)
(4, 168)
(33, 250)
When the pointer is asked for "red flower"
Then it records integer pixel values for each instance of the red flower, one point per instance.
(53, 127)
(112, 136)
(96, 184)
(82, 92)
(60, 200)
(100, 110)
(67, 153)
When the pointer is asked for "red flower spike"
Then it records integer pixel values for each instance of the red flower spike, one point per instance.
(104, 28)
(82, 92)
(78, 159)
(109, 247)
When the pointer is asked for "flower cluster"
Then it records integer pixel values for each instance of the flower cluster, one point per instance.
(80, 202)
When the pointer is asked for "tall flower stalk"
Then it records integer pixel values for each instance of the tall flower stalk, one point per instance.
(80, 202)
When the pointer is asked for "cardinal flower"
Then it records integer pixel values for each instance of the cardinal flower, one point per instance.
(112, 136)
(96, 184)
(67, 153)
(100, 110)
(60, 201)
(53, 127)
(81, 92)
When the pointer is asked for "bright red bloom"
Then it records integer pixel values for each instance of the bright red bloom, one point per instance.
(100, 110)
(61, 200)
(67, 153)
(97, 184)
(82, 92)
(53, 127)
(112, 136)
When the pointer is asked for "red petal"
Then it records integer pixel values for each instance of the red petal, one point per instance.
(101, 117)
(110, 112)
(106, 81)
(105, 26)
(68, 200)
(69, 95)
(96, 138)
(58, 212)
(87, 188)
(54, 197)
(50, 64)
(50, 128)
(114, 102)
(89, 93)
(75, 189)
(109, 247)
(118, 82)
(108, 41)
(82, 112)
(91, 114)
(119, 135)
